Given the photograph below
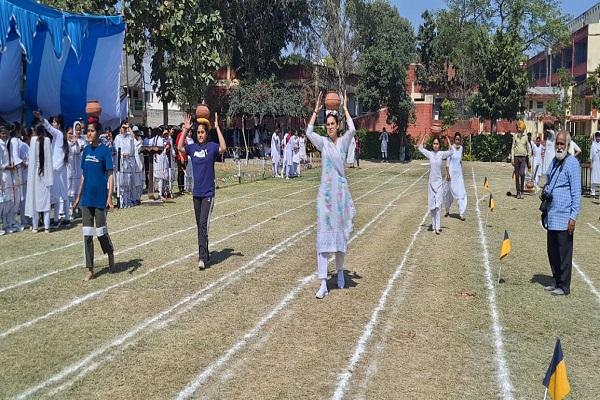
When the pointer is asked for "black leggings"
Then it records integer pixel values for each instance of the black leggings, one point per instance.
(203, 208)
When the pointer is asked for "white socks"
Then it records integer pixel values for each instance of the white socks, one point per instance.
(322, 292)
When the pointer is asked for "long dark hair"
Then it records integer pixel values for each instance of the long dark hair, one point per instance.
(41, 133)
(65, 144)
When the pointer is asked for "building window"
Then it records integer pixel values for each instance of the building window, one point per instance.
(530, 104)
(567, 57)
(556, 62)
(540, 105)
(581, 52)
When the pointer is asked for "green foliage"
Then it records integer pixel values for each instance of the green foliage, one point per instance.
(593, 84)
(492, 147)
(265, 97)
(561, 107)
(81, 6)
(257, 32)
(505, 81)
(182, 37)
(449, 114)
(386, 44)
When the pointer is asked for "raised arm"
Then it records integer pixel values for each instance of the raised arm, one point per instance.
(317, 140)
(222, 145)
(52, 130)
(351, 131)
(422, 149)
(187, 125)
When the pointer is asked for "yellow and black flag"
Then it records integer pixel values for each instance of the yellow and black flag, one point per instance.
(492, 203)
(556, 380)
(486, 183)
(506, 247)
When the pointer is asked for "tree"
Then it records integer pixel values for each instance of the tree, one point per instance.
(83, 6)
(386, 44)
(449, 115)
(265, 98)
(562, 105)
(257, 31)
(593, 84)
(183, 38)
(505, 80)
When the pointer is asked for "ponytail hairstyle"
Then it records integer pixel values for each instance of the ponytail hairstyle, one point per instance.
(41, 133)
(65, 144)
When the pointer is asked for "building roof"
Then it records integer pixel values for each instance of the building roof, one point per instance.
(590, 16)
(544, 91)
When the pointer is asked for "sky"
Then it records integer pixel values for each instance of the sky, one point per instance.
(412, 9)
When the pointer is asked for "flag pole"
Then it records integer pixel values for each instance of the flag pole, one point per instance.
(546, 394)
(499, 272)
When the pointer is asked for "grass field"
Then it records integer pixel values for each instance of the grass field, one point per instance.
(249, 326)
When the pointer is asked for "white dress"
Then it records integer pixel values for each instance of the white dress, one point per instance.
(384, 138)
(38, 186)
(295, 149)
(289, 151)
(126, 144)
(436, 182)
(7, 192)
(74, 170)
(351, 152)
(536, 163)
(549, 152)
(161, 161)
(595, 157)
(275, 146)
(60, 187)
(456, 186)
(335, 209)
(302, 144)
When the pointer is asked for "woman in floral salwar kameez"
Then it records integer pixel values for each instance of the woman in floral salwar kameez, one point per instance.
(335, 209)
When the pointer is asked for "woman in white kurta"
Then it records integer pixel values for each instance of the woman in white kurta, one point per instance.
(288, 161)
(537, 150)
(275, 154)
(39, 178)
(454, 176)
(295, 154)
(384, 138)
(74, 171)
(60, 154)
(436, 183)
(595, 157)
(548, 151)
(335, 209)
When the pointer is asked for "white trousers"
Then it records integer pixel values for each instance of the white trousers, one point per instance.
(322, 261)
(436, 222)
(462, 203)
(36, 217)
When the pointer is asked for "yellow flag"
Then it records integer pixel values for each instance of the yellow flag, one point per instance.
(556, 379)
(492, 203)
(506, 247)
(486, 183)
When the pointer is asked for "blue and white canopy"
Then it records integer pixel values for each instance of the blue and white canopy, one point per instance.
(70, 58)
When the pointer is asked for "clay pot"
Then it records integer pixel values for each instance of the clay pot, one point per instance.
(436, 129)
(93, 108)
(332, 101)
(202, 111)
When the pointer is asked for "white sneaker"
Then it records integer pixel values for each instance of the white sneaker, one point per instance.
(2, 232)
(322, 292)
(18, 228)
(340, 279)
(201, 265)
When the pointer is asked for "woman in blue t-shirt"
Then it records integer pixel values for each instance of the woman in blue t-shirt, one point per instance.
(203, 155)
(95, 197)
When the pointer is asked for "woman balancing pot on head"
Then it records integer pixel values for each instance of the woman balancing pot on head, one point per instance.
(95, 196)
(203, 155)
(436, 183)
(335, 209)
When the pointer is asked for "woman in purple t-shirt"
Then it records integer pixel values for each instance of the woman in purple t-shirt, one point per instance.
(203, 155)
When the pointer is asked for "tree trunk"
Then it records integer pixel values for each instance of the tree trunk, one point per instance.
(402, 152)
(165, 112)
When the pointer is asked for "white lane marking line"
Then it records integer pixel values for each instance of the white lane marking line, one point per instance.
(155, 321)
(588, 281)
(193, 386)
(122, 340)
(502, 374)
(126, 229)
(89, 296)
(156, 239)
(593, 227)
(344, 377)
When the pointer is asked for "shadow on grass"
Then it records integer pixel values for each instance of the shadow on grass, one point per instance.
(544, 280)
(217, 257)
(122, 266)
(350, 278)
